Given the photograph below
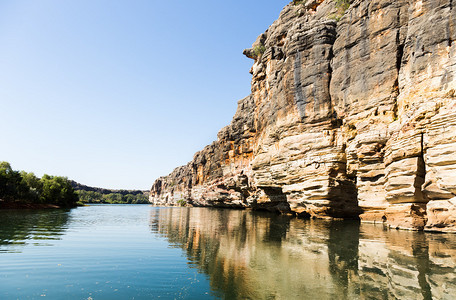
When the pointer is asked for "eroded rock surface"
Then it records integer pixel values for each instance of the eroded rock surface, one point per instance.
(352, 114)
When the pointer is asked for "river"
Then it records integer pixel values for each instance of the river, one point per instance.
(145, 252)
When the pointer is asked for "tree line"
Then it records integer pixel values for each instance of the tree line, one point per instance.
(23, 187)
(20, 187)
(112, 198)
(90, 194)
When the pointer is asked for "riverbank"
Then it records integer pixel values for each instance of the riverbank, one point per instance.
(18, 205)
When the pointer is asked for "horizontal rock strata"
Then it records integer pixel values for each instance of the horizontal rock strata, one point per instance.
(352, 114)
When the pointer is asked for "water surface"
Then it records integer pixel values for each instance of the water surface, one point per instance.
(252, 255)
(95, 252)
(144, 252)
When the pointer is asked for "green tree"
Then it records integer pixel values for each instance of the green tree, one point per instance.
(57, 190)
(90, 196)
(141, 199)
(129, 199)
(113, 198)
(10, 183)
(32, 186)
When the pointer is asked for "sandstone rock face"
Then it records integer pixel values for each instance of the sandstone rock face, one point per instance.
(352, 114)
(220, 175)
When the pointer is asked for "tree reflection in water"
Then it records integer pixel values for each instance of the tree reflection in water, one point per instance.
(252, 255)
(40, 227)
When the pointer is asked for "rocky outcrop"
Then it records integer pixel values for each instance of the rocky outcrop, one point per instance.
(352, 114)
(219, 175)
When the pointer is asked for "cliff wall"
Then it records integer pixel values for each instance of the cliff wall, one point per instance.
(352, 114)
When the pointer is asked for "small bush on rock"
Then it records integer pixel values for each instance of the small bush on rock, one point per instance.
(259, 50)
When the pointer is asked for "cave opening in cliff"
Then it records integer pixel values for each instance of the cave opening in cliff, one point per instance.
(420, 173)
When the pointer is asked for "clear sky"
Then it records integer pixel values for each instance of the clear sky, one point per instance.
(115, 93)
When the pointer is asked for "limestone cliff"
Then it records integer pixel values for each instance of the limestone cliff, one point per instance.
(352, 114)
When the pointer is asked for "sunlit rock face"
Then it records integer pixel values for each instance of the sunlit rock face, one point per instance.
(219, 175)
(266, 256)
(352, 114)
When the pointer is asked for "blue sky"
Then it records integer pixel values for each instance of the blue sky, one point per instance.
(117, 93)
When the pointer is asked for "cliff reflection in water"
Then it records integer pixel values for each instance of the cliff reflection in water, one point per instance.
(263, 256)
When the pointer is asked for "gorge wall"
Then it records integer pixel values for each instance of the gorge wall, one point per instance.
(352, 114)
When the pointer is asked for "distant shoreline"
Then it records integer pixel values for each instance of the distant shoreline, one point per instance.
(12, 205)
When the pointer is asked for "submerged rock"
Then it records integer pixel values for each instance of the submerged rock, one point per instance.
(352, 114)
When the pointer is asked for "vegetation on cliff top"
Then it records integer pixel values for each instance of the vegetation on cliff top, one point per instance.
(25, 188)
(345, 4)
(341, 6)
